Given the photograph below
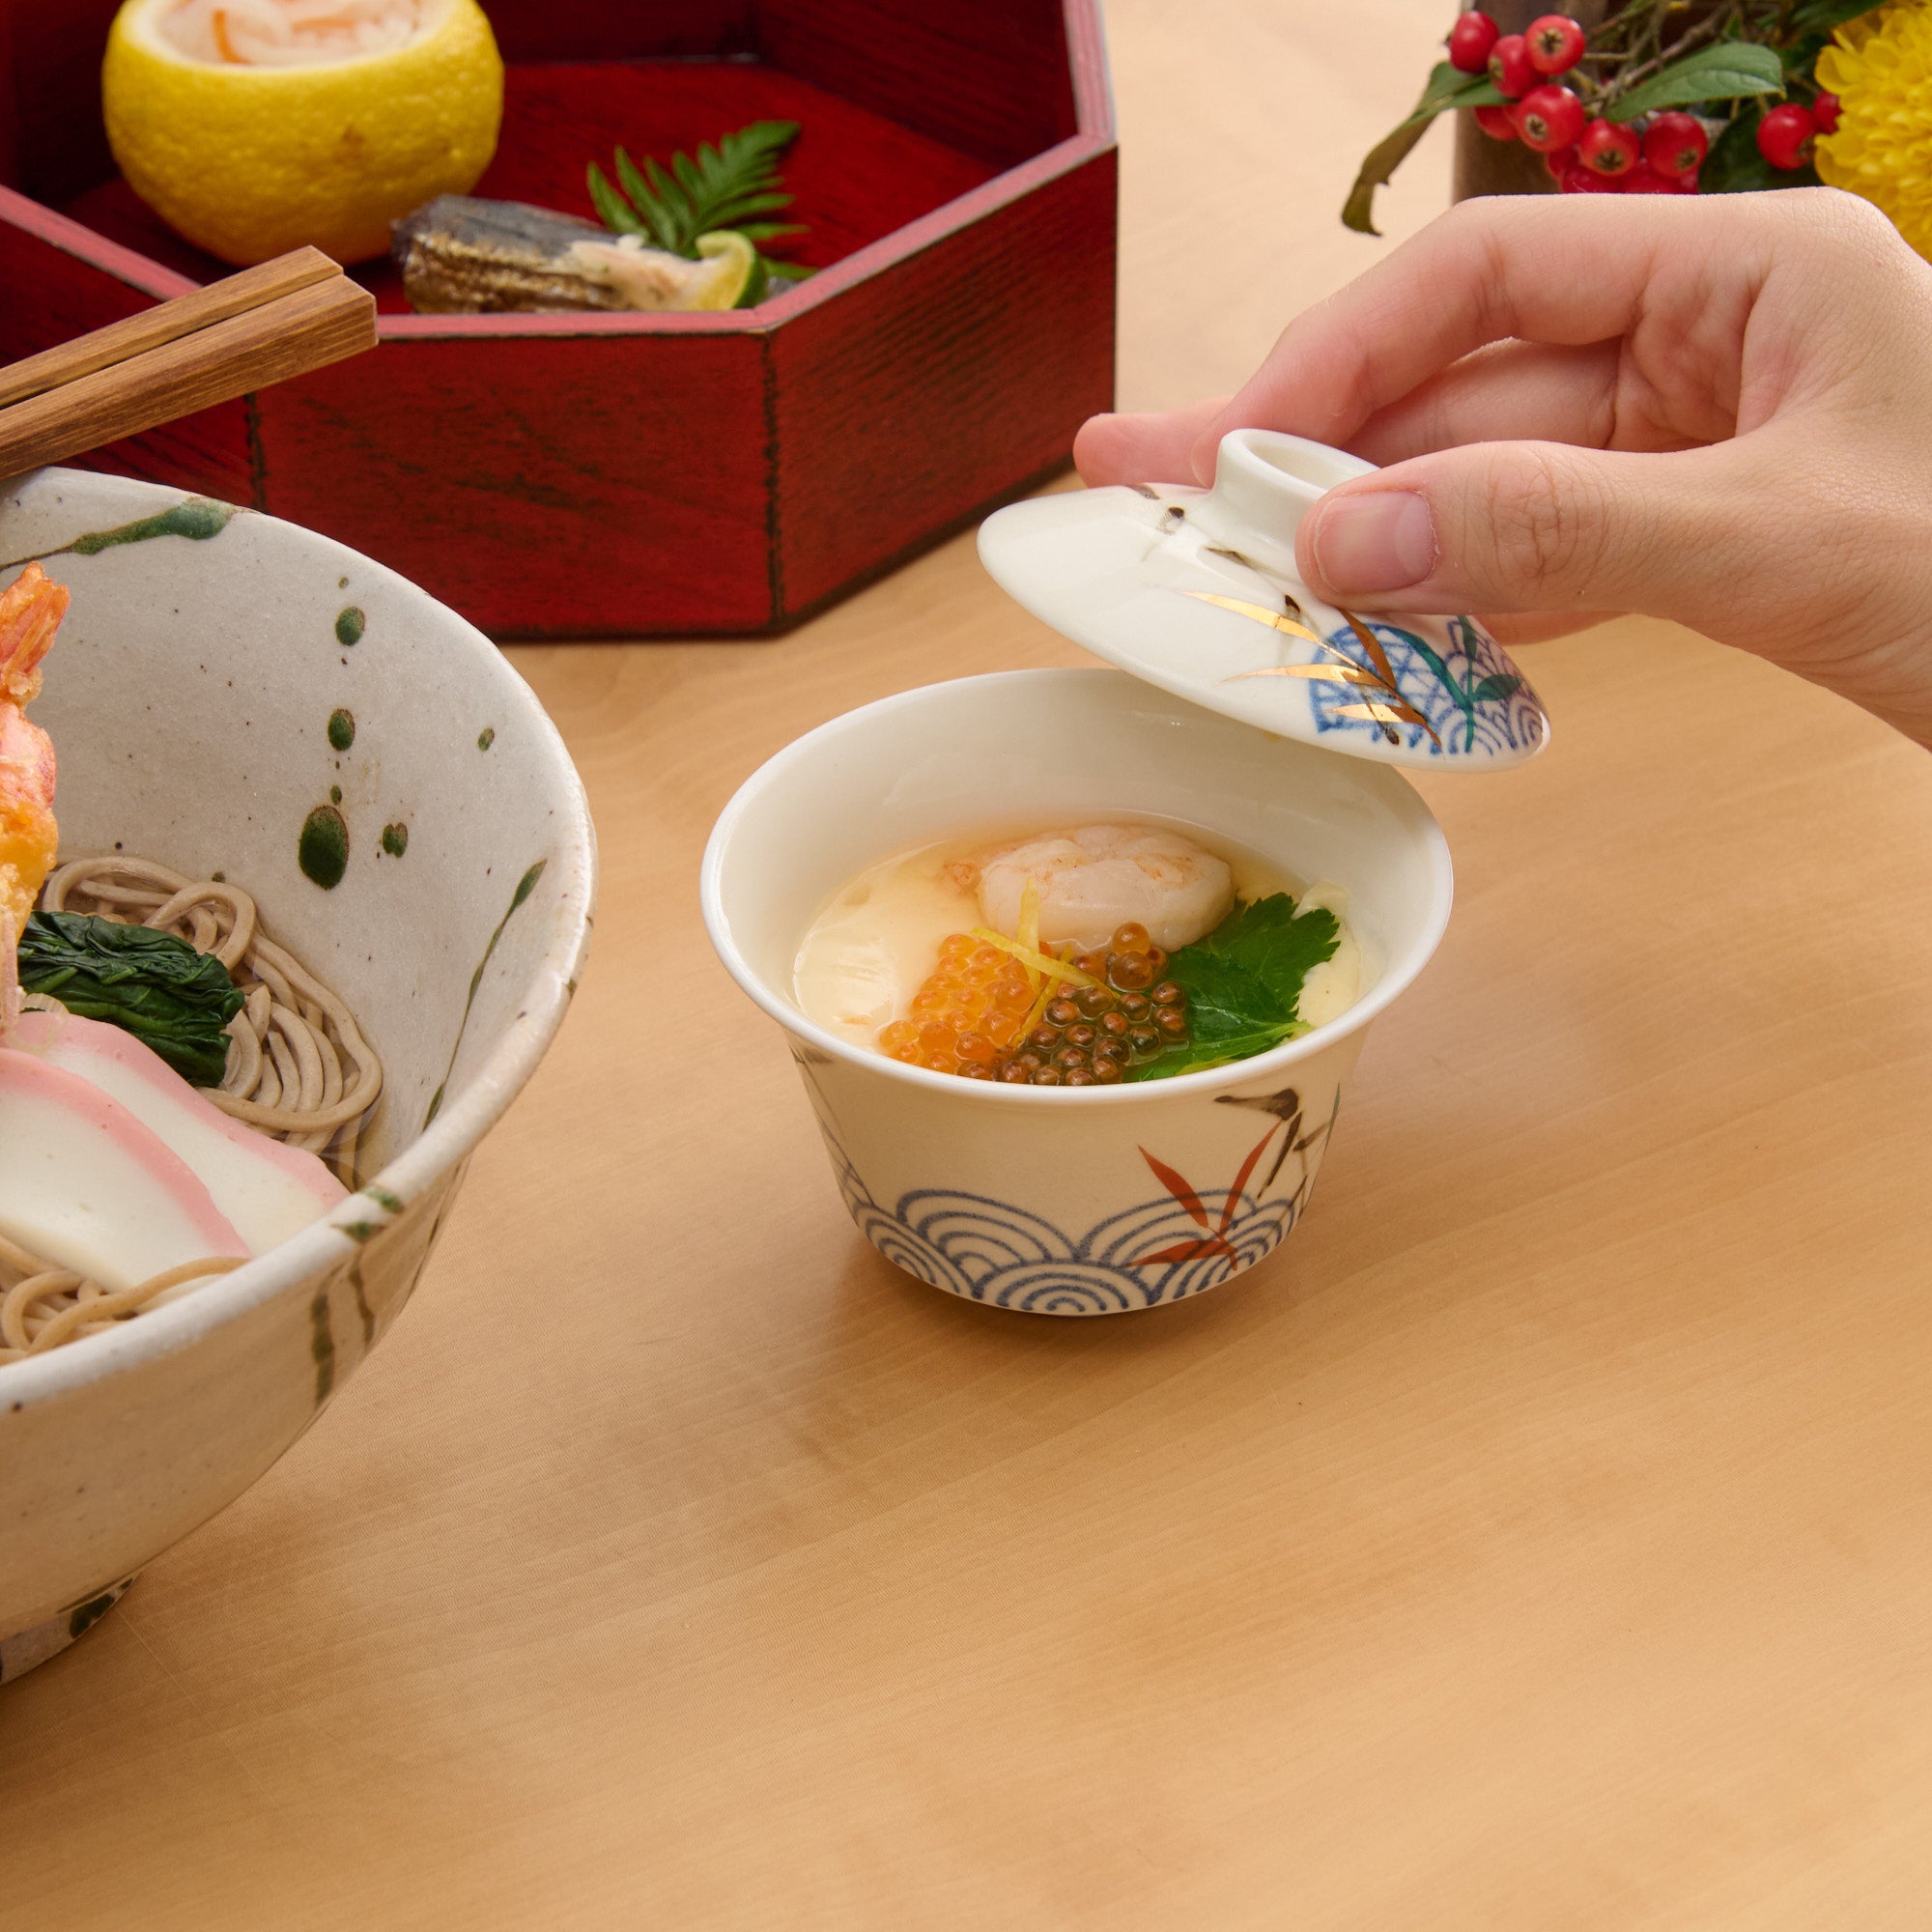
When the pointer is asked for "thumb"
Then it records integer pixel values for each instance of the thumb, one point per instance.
(1536, 526)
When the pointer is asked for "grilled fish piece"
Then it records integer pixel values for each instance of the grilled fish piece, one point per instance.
(464, 256)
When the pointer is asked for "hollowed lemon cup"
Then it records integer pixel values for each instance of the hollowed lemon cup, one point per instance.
(249, 162)
(1090, 1201)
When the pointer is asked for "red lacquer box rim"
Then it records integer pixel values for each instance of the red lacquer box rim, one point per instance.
(1093, 115)
(955, 348)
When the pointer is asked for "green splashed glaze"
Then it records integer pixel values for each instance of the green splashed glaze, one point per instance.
(396, 839)
(350, 625)
(322, 1347)
(335, 794)
(526, 886)
(485, 738)
(198, 518)
(341, 729)
(323, 849)
(84, 1616)
(362, 1308)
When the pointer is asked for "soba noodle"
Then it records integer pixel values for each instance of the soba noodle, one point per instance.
(298, 1069)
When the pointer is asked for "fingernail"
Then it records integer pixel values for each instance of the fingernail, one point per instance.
(1373, 540)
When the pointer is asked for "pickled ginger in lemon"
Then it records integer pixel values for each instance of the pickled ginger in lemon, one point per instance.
(253, 126)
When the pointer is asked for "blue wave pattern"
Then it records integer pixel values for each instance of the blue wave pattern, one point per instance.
(1469, 695)
(991, 1251)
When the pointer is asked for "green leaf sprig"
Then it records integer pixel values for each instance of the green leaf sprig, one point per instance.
(1730, 71)
(1448, 88)
(152, 985)
(733, 185)
(1243, 984)
(1649, 55)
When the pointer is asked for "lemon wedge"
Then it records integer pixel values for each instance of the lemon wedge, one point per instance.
(247, 161)
(731, 285)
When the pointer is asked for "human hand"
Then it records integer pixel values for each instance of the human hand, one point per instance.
(1714, 409)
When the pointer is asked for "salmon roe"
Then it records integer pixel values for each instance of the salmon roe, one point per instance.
(968, 1016)
(978, 1016)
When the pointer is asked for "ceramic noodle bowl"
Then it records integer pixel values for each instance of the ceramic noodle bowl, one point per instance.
(232, 694)
(1093, 1201)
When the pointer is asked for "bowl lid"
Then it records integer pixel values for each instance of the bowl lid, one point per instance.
(1196, 591)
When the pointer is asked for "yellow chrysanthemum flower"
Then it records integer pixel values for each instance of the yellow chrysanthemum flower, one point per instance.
(1880, 66)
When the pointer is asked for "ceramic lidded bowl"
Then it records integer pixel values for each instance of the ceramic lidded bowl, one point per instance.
(1062, 1200)
(1196, 591)
(222, 679)
(1243, 689)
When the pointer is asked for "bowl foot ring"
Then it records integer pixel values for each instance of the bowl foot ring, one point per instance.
(22, 1650)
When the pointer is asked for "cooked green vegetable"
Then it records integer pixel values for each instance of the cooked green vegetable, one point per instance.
(155, 987)
(1243, 984)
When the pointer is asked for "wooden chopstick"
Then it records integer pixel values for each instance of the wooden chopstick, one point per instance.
(313, 325)
(165, 322)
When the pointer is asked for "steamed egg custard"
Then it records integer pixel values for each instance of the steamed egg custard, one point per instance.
(1077, 955)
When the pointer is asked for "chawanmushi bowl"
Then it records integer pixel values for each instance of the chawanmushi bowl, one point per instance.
(1093, 1201)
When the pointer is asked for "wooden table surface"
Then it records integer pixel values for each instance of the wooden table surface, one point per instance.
(1542, 1538)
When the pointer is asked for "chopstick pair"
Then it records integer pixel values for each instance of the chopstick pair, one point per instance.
(297, 313)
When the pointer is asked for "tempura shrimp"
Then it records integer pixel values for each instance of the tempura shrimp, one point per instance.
(1094, 880)
(31, 610)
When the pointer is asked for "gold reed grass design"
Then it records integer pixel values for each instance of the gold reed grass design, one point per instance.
(1384, 706)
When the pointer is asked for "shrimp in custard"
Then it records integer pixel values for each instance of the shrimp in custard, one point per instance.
(1101, 877)
(31, 610)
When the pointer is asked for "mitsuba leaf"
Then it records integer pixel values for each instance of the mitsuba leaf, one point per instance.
(1243, 984)
(1448, 88)
(1730, 71)
(1266, 939)
(157, 988)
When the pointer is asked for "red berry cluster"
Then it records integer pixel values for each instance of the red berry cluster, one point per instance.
(1584, 153)
(1784, 136)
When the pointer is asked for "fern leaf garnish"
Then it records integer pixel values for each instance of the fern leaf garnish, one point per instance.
(640, 201)
(726, 187)
(612, 210)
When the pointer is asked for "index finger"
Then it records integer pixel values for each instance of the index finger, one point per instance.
(1565, 271)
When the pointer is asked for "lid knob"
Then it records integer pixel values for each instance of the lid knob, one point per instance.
(1270, 481)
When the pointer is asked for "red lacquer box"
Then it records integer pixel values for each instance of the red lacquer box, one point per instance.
(621, 476)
